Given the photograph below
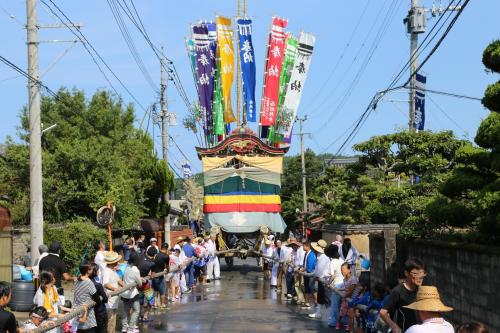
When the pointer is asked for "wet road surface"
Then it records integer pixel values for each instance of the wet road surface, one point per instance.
(240, 302)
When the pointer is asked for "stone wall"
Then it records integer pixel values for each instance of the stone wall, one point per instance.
(467, 276)
(20, 243)
(377, 259)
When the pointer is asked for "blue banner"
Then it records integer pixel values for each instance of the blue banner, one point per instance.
(247, 59)
(420, 102)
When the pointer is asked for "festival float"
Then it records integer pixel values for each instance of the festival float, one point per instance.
(241, 149)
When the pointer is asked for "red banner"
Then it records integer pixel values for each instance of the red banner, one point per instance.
(275, 55)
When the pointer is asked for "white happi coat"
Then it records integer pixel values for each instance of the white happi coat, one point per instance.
(279, 259)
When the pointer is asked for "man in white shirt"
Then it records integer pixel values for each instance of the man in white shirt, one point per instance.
(290, 259)
(276, 265)
(213, 265)
(349, 254)
(100, 248)
(44, 251)
(298, 262)
(429, 308)
(321, 272)
(111, 282)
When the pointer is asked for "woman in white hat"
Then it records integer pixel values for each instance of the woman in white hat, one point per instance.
(429, 308)
(321, 274)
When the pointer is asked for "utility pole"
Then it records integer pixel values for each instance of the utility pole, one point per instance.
(35, 143)
(164, 139)
(416, 22)
(303, 163)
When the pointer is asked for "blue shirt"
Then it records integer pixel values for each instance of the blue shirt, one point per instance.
(310, 259)
(126, 252)
(188, 250)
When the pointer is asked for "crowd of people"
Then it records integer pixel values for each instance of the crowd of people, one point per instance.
(319, 278)
(322, 278)
(160, 275)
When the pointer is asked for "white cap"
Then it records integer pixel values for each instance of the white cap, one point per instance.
(270, 237)
(153, 240)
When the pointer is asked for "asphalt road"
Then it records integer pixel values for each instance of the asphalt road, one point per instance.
(240, 302)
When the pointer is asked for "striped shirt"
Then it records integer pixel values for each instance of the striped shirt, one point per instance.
(84, 290)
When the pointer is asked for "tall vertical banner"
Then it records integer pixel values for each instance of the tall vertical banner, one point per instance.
(247, 59)
(219, 128)
(296, 83)
(204, 74)
(192, 57)
(420, 102)
(226, 54)
(288, 61)
(275, 54)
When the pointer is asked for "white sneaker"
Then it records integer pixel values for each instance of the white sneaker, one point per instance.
(314, 315)
(133, 330)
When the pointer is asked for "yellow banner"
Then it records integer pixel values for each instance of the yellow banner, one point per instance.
(226, 54)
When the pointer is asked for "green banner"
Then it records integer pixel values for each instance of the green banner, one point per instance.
(218, 106)
(288, 61)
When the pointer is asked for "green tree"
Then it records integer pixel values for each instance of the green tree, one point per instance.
(291, 182)
(473, 190)
(93, 156)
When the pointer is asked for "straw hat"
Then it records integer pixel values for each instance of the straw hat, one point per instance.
(180, 239)
(292, 241)
(428, 300)
(111, 257)
(319, 246)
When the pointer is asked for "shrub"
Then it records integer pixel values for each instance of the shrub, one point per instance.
(76, 238)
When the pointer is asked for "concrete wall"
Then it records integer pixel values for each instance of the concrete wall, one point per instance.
(467, 276)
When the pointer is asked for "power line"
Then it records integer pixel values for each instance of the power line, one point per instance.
(446, 32)
(11, 16)
(26, 75)
(86, 43)
(130, 43)
(466, 133)
(173, 76)
(380, 34)
(423, 45)
(376, 98)
(347, 45)
(449, 94)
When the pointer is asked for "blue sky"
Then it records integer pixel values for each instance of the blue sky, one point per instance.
(345, 31)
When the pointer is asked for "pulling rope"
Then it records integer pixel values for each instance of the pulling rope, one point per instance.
(48, 325)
